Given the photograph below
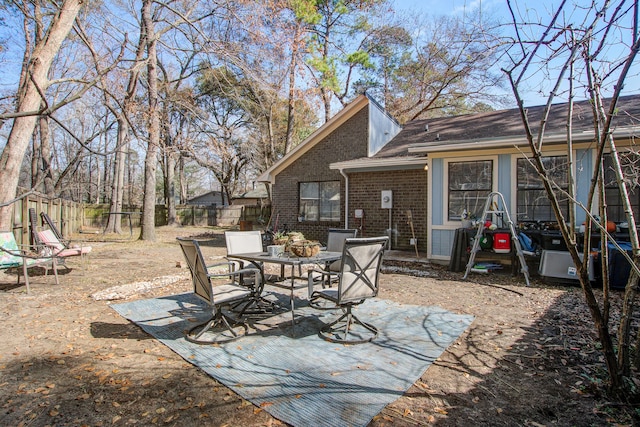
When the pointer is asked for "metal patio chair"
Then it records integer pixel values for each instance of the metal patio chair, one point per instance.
(219, 327)
(357, 281)
(239, 242)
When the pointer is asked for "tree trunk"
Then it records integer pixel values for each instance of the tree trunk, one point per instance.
(35, 83)
(151, 161)
(184, 193)
(122, 148)
(172, 215)
(114, 225)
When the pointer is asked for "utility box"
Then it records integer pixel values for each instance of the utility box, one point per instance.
(386, 199)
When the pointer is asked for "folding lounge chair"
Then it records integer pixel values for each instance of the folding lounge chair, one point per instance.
(52, 226)
(48, 240)
(357, 281)
(11, 256)
(54, 244)
(220, 327)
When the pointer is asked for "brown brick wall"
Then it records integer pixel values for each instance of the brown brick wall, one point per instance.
(409, 189)
(346, 143)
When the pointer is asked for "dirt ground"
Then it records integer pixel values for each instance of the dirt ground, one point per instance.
(530, 357)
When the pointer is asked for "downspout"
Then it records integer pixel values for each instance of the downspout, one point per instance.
(346, 198)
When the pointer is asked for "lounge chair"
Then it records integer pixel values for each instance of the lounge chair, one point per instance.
(52, 242)
(11, 256)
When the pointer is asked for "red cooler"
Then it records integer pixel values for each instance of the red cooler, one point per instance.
(502, 243)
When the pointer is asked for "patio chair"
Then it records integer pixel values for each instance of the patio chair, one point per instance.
(357, 281)
(54, 247)
(219, 327)
(245, 242)
(52, 226)
(335, 243)
(11, 256)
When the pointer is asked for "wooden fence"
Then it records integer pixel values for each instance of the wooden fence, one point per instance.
(71, 217)
(67, 215)
(95, 216)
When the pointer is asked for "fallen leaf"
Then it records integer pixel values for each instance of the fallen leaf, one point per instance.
(440, 411)
(265, 404)
(407, 412)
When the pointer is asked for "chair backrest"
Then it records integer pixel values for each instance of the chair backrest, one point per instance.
(360, 268)
(337, 236)
(48, 238)
(202, 286)
(239, 242)
(8, 242)
(52, 225)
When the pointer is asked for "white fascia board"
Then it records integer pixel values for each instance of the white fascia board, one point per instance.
(379, 164)
(623, 132)
(318, 135)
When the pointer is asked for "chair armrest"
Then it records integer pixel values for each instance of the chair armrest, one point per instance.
(249, 270)
(32, 251)
(227, 264)
(323, 273)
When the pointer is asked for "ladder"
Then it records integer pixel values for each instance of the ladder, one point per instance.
(492, 207)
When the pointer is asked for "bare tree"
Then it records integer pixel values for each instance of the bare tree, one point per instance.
(150, 163)
(33, 83)
(581, 56)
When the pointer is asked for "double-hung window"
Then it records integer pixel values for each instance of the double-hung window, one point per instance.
(469, 185)
(533, 204)
(629, 162)
(319, 201)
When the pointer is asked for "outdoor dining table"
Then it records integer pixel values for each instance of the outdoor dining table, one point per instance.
(258, 258)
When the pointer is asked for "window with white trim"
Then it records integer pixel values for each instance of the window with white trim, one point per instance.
(532, 203)
(319, 201)
(470, 183)
(630, 163)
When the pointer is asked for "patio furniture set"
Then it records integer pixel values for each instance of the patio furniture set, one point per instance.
(343, 275)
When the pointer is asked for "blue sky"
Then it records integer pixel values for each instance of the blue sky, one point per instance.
(498, 10)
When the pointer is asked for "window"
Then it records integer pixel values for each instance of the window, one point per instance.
(532, 201)
(469, 185)
(630, 170)
(319, 201)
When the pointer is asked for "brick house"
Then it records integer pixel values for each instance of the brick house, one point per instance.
(312, 192)
(435, 169)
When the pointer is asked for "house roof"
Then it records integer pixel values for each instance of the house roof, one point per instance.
(491, 129)
(334, 123)
(504, 128)
(259, 192)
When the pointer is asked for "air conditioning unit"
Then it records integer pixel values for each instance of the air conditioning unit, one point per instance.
(560, 265)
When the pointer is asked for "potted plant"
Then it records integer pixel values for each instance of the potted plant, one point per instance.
(280, 238)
